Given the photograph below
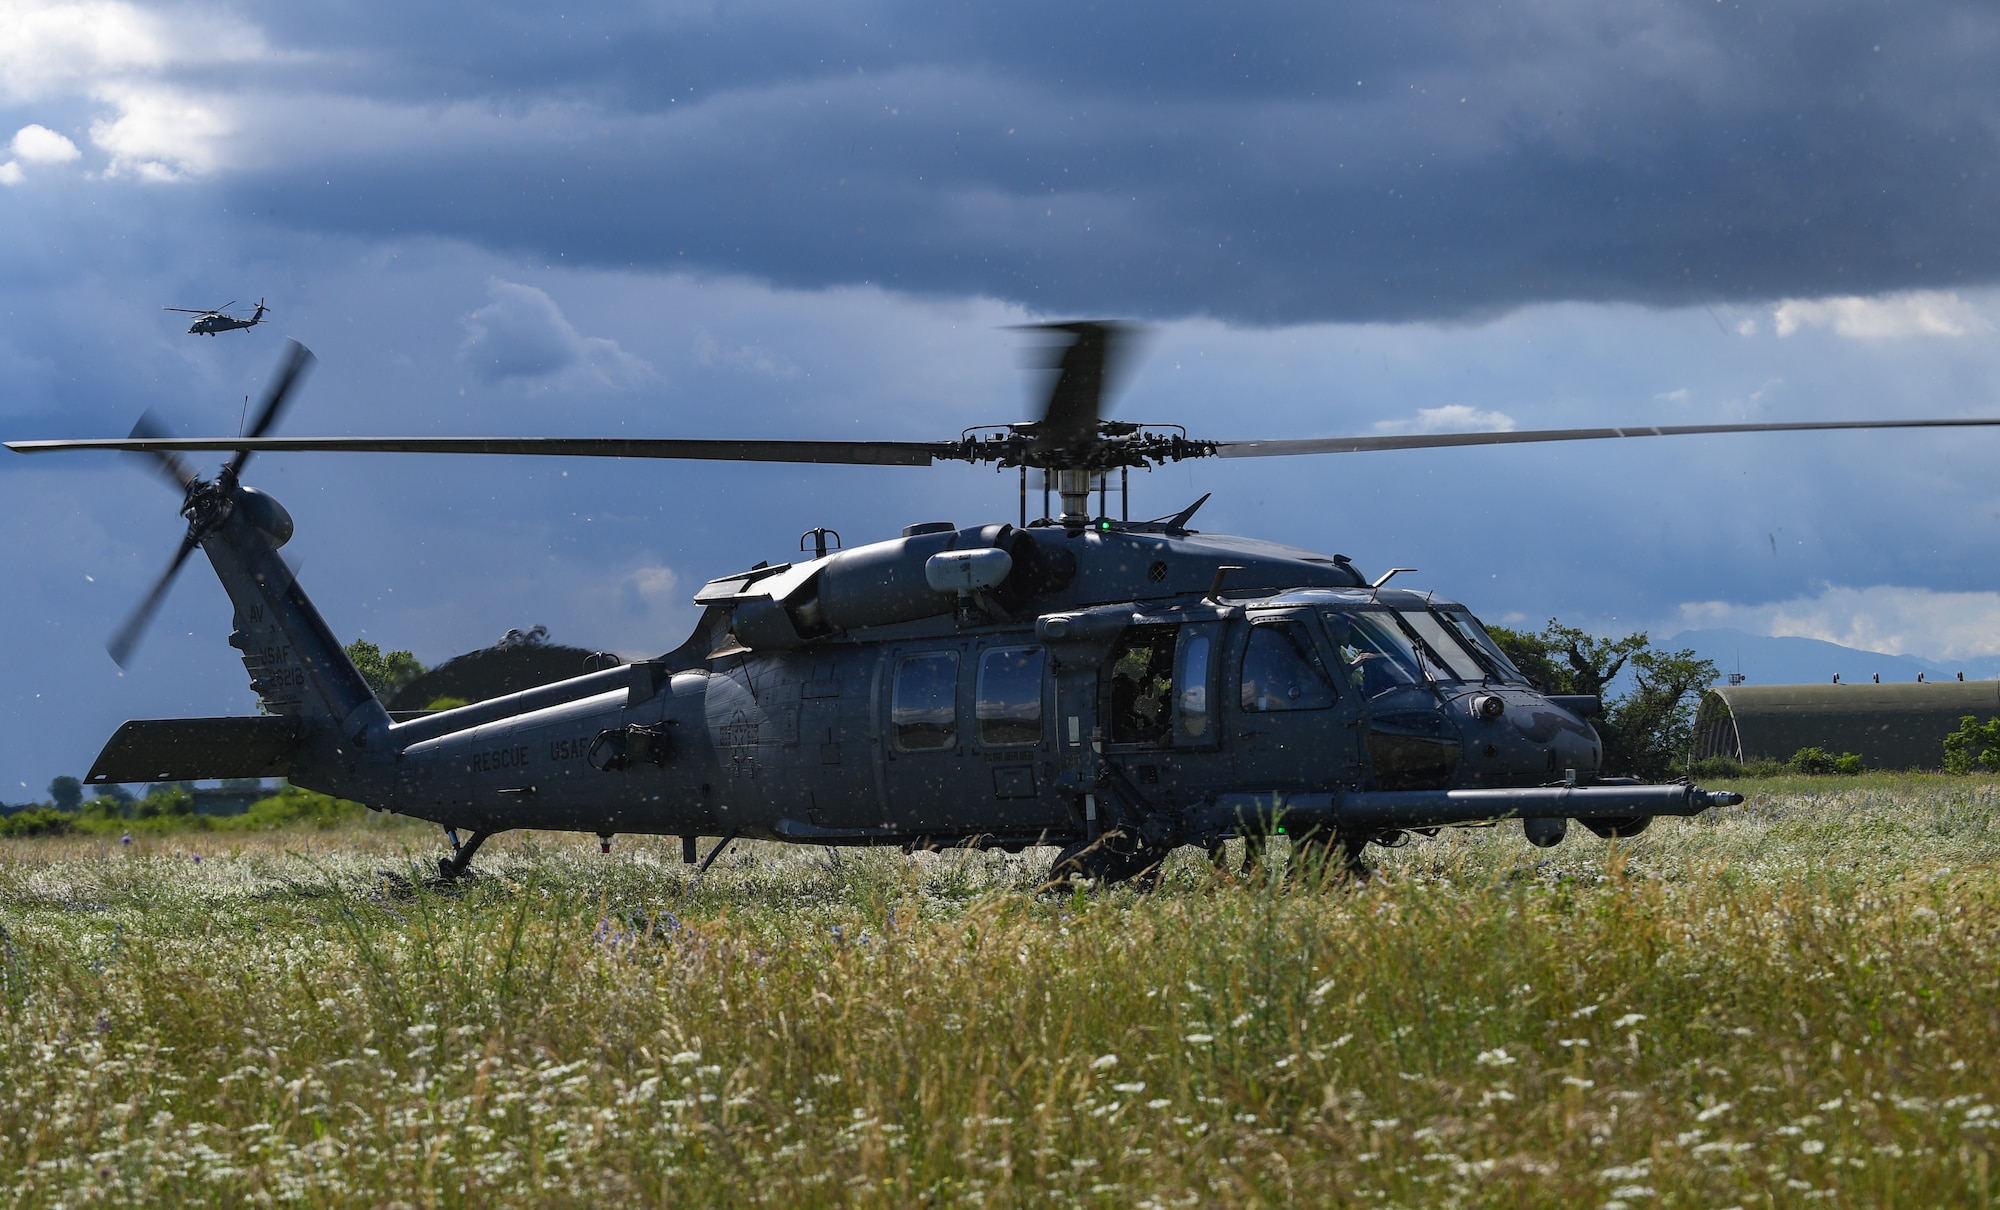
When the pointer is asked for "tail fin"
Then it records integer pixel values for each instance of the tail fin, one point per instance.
(296, 666)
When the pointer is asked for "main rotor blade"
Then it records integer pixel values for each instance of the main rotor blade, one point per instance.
(127, 638)
(857, 453)
(172, 465)
(1430, 441)
(298, 359)
(1070, 419)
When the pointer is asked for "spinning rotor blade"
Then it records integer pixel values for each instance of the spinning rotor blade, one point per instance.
(1430, 441)
(856, 453)
(126, 640)
(1070, 419)
(298, 359)
(170, 464)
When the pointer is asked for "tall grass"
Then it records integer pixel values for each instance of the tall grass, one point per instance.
(1784, 1003)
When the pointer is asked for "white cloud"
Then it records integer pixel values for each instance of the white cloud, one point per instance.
(54, 49)
(1884, 317)
(125, 58)
(1886, 618)
(1451, 418)
(709, 354)
(1679, 395)
(10, 173)
(523, 335)
(650, 588)
(161, 134)
(39, 145)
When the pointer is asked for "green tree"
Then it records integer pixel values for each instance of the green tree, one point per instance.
(384, 673)
(1818, 760)
(66, 793)
(1647, 730)
(168, 798)
(1975, 745)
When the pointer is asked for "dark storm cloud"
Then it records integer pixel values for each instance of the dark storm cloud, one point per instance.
(1265, 163)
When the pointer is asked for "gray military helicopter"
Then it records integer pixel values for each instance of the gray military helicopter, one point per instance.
(1117, 687)
(218, 319)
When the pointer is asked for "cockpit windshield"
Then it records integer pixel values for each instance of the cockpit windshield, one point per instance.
(1384, 650)
(1458, 663)
(1468, 628)
(1377, 654)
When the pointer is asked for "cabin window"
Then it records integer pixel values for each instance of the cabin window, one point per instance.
(1192, 676)
(1377, 654)
(1009, 708)
(924, 709)
(1281, 672)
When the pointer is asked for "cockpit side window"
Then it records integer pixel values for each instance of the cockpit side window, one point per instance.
(1377, 654)
(1281, 671)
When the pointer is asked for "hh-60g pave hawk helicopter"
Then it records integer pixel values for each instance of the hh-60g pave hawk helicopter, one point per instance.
(219, 319)
(1120, 688)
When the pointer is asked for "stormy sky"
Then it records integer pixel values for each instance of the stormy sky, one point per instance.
(788, 220)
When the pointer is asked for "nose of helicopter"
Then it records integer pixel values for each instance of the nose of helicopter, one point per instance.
(1517, 737)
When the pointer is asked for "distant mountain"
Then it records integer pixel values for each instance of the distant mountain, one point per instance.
(1765, 660)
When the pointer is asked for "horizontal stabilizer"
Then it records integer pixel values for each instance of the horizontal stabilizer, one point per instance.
(192, 749)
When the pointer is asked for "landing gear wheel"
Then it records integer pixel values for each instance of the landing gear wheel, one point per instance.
(455, 867)
(1085, 859)
(1096, 861)
(1143, 870)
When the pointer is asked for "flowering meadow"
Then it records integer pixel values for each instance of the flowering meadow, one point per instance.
(1792, 1002)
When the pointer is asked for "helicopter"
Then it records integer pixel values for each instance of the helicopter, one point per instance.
(1118, 688)
(218, 319)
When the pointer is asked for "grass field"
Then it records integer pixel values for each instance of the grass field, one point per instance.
(1792, 1002)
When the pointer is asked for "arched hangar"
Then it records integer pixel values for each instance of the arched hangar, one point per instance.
(1900, 726)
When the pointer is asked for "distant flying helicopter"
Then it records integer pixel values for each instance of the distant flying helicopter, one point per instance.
(219, 320)
(1119, 688)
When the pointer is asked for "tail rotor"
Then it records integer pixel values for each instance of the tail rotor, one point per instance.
(205, 504)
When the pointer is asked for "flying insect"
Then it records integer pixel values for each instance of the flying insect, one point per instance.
(1119, 688)
(219, 319)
